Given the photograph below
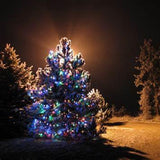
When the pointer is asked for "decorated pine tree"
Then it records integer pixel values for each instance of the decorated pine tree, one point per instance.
(62, 109)
(15, 77)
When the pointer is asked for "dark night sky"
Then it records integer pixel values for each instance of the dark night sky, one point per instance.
(107, 34)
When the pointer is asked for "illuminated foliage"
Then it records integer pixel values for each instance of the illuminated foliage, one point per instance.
(148, 79)
(104, 111)
(61, 108)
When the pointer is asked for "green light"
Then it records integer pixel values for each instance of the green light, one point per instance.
(60, 72)
(60, 83)
(50, 56)
(40, 134)
(50, 118)
(76, 86)
(41, 109)
(57, 104)
(59, 112)
(49, 89)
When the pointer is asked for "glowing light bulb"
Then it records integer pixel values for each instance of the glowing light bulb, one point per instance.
(51, 51)
(50, 54)
(61, 73)
(50, 118)
(60, 83)
(41, 134)
(61, 61)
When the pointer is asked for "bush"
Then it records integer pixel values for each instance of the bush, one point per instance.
(118, 111)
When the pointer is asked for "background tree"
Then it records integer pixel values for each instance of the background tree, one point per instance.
(61, 108)
(15, 77)
(119, 111)
(148, 79)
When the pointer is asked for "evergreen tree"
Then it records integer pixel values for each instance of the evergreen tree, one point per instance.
(104, 111)
(15, 77)
(146, 102)
(61, 108)
(148, 79)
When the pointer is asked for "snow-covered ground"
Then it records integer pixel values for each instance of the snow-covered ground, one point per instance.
(28, 148)
(140, 135)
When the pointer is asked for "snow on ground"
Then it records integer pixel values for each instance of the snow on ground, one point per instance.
(125, 139)
(28, 148)
(140, 135)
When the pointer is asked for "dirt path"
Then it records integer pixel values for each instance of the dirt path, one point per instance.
(138, 135)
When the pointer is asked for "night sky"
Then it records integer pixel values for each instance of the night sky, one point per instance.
(107, 34)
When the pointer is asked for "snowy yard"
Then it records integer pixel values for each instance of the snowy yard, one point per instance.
(28, 148)
(124, 140)
(140, 135)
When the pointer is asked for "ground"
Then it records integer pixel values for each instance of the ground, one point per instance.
(140, 135)
(124, 140)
